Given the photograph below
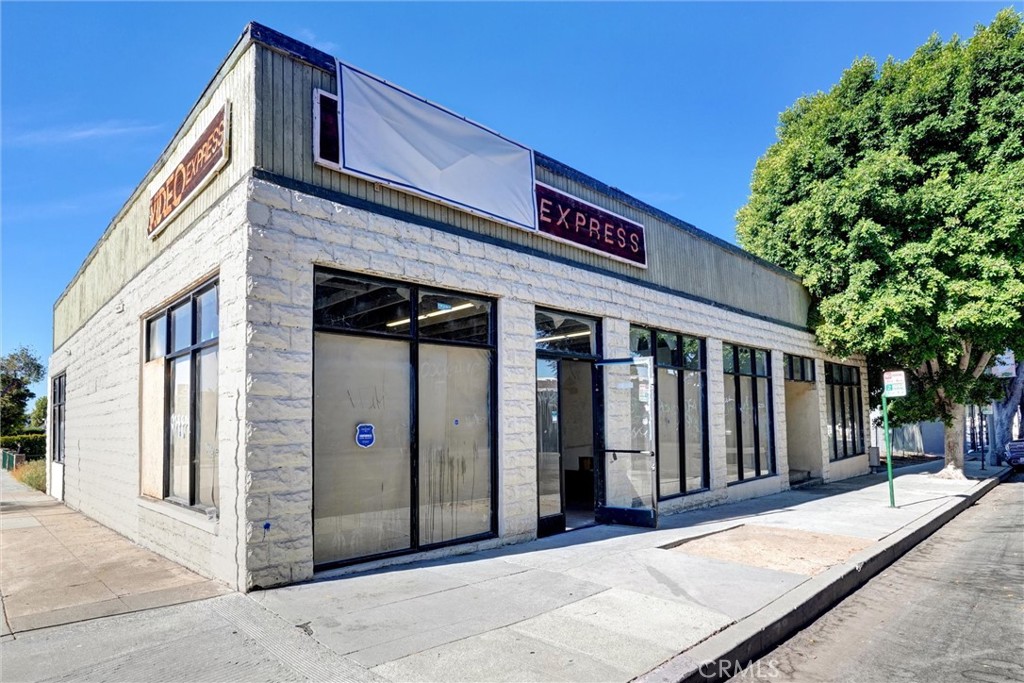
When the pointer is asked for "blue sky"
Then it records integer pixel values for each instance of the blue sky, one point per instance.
(670, 102)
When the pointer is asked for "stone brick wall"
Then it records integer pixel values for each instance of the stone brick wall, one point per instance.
(264, 241)
(289, 232)
(103, 361)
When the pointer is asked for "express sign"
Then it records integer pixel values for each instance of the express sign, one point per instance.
(573, 220)
(207, 155)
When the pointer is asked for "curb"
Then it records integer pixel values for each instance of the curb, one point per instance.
(727, 652)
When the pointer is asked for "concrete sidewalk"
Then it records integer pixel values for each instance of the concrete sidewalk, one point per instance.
(597, 604)
(611, 603)
(58, 566)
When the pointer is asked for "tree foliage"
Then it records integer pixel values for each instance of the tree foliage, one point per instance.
(898, 197)
(37, 418)
(18, 370)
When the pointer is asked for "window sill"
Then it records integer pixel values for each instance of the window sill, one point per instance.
(847, 457)
(684, 494)
(747, 481)
(193, 518)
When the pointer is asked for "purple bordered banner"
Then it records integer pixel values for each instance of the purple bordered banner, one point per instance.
(568, 219)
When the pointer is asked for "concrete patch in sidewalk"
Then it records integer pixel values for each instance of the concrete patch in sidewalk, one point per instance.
(781, 549)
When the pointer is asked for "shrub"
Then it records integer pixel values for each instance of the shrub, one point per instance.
(32, 473)
(28, 444)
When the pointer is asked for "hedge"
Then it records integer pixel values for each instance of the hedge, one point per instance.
(29, 444)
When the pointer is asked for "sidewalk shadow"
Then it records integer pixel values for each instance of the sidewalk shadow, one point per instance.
(697, 522)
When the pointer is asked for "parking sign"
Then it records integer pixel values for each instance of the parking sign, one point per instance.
(895, 382)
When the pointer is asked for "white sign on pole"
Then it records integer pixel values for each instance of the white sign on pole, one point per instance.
(895, 382)
(1005, 365)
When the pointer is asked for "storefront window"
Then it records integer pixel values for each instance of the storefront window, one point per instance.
(845, 411)
(403, 448)
(681, 408)
(58, 394)
(749, 428)
(190, 415)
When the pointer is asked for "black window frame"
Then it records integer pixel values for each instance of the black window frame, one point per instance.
(738, 374)
(844, 380)
(167, 356)
(680, 364)
(415, 340)
(58, 395)
(795, 368)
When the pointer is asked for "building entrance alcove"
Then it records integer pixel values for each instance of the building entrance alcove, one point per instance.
(803, 420)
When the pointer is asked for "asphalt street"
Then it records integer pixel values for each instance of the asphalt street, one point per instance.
(952, 609)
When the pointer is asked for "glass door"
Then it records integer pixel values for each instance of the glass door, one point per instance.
(550, 502)
(627, 493)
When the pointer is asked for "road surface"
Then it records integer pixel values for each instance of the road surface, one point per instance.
(952, 609)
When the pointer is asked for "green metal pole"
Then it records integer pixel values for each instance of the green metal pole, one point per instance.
(888, 450)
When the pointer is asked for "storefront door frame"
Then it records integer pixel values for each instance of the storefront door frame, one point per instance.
(555, 524)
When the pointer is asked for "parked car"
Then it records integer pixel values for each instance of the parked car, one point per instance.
(1015, 454)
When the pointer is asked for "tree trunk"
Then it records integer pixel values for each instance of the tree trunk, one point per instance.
(954, 468)
(1003, 414)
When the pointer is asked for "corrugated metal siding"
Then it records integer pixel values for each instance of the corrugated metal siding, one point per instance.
(678, 259)
(125, 249)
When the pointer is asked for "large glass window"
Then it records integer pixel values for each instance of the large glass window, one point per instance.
(680, 391)
(749, 428)
(58, 395)
(845, 411)
(185, 335)
(403, 449)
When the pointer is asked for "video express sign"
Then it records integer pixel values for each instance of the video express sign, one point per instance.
(573, 220)
(207, 155)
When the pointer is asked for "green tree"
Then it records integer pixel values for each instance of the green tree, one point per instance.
(898, 197)
(37, 418)
(18, 370)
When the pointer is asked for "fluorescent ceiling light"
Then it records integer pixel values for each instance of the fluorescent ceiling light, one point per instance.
(406, 321)
(563, 336)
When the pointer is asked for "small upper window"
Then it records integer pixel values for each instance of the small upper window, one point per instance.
(566, 333)
(453, 317)
(353, 303)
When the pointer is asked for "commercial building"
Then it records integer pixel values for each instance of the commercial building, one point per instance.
(337, 325)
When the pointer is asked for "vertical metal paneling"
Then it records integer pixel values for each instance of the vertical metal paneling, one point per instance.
(678, 259)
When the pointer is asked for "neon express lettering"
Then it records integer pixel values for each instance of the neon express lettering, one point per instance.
(203, 156)
(569, 219)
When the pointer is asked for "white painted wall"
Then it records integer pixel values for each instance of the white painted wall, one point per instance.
(103, 365)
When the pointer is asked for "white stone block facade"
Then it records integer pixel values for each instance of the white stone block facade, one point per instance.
(263, 241)
(291, 232)
(103, 363)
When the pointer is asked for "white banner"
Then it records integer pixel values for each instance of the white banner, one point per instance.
(393, 137)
